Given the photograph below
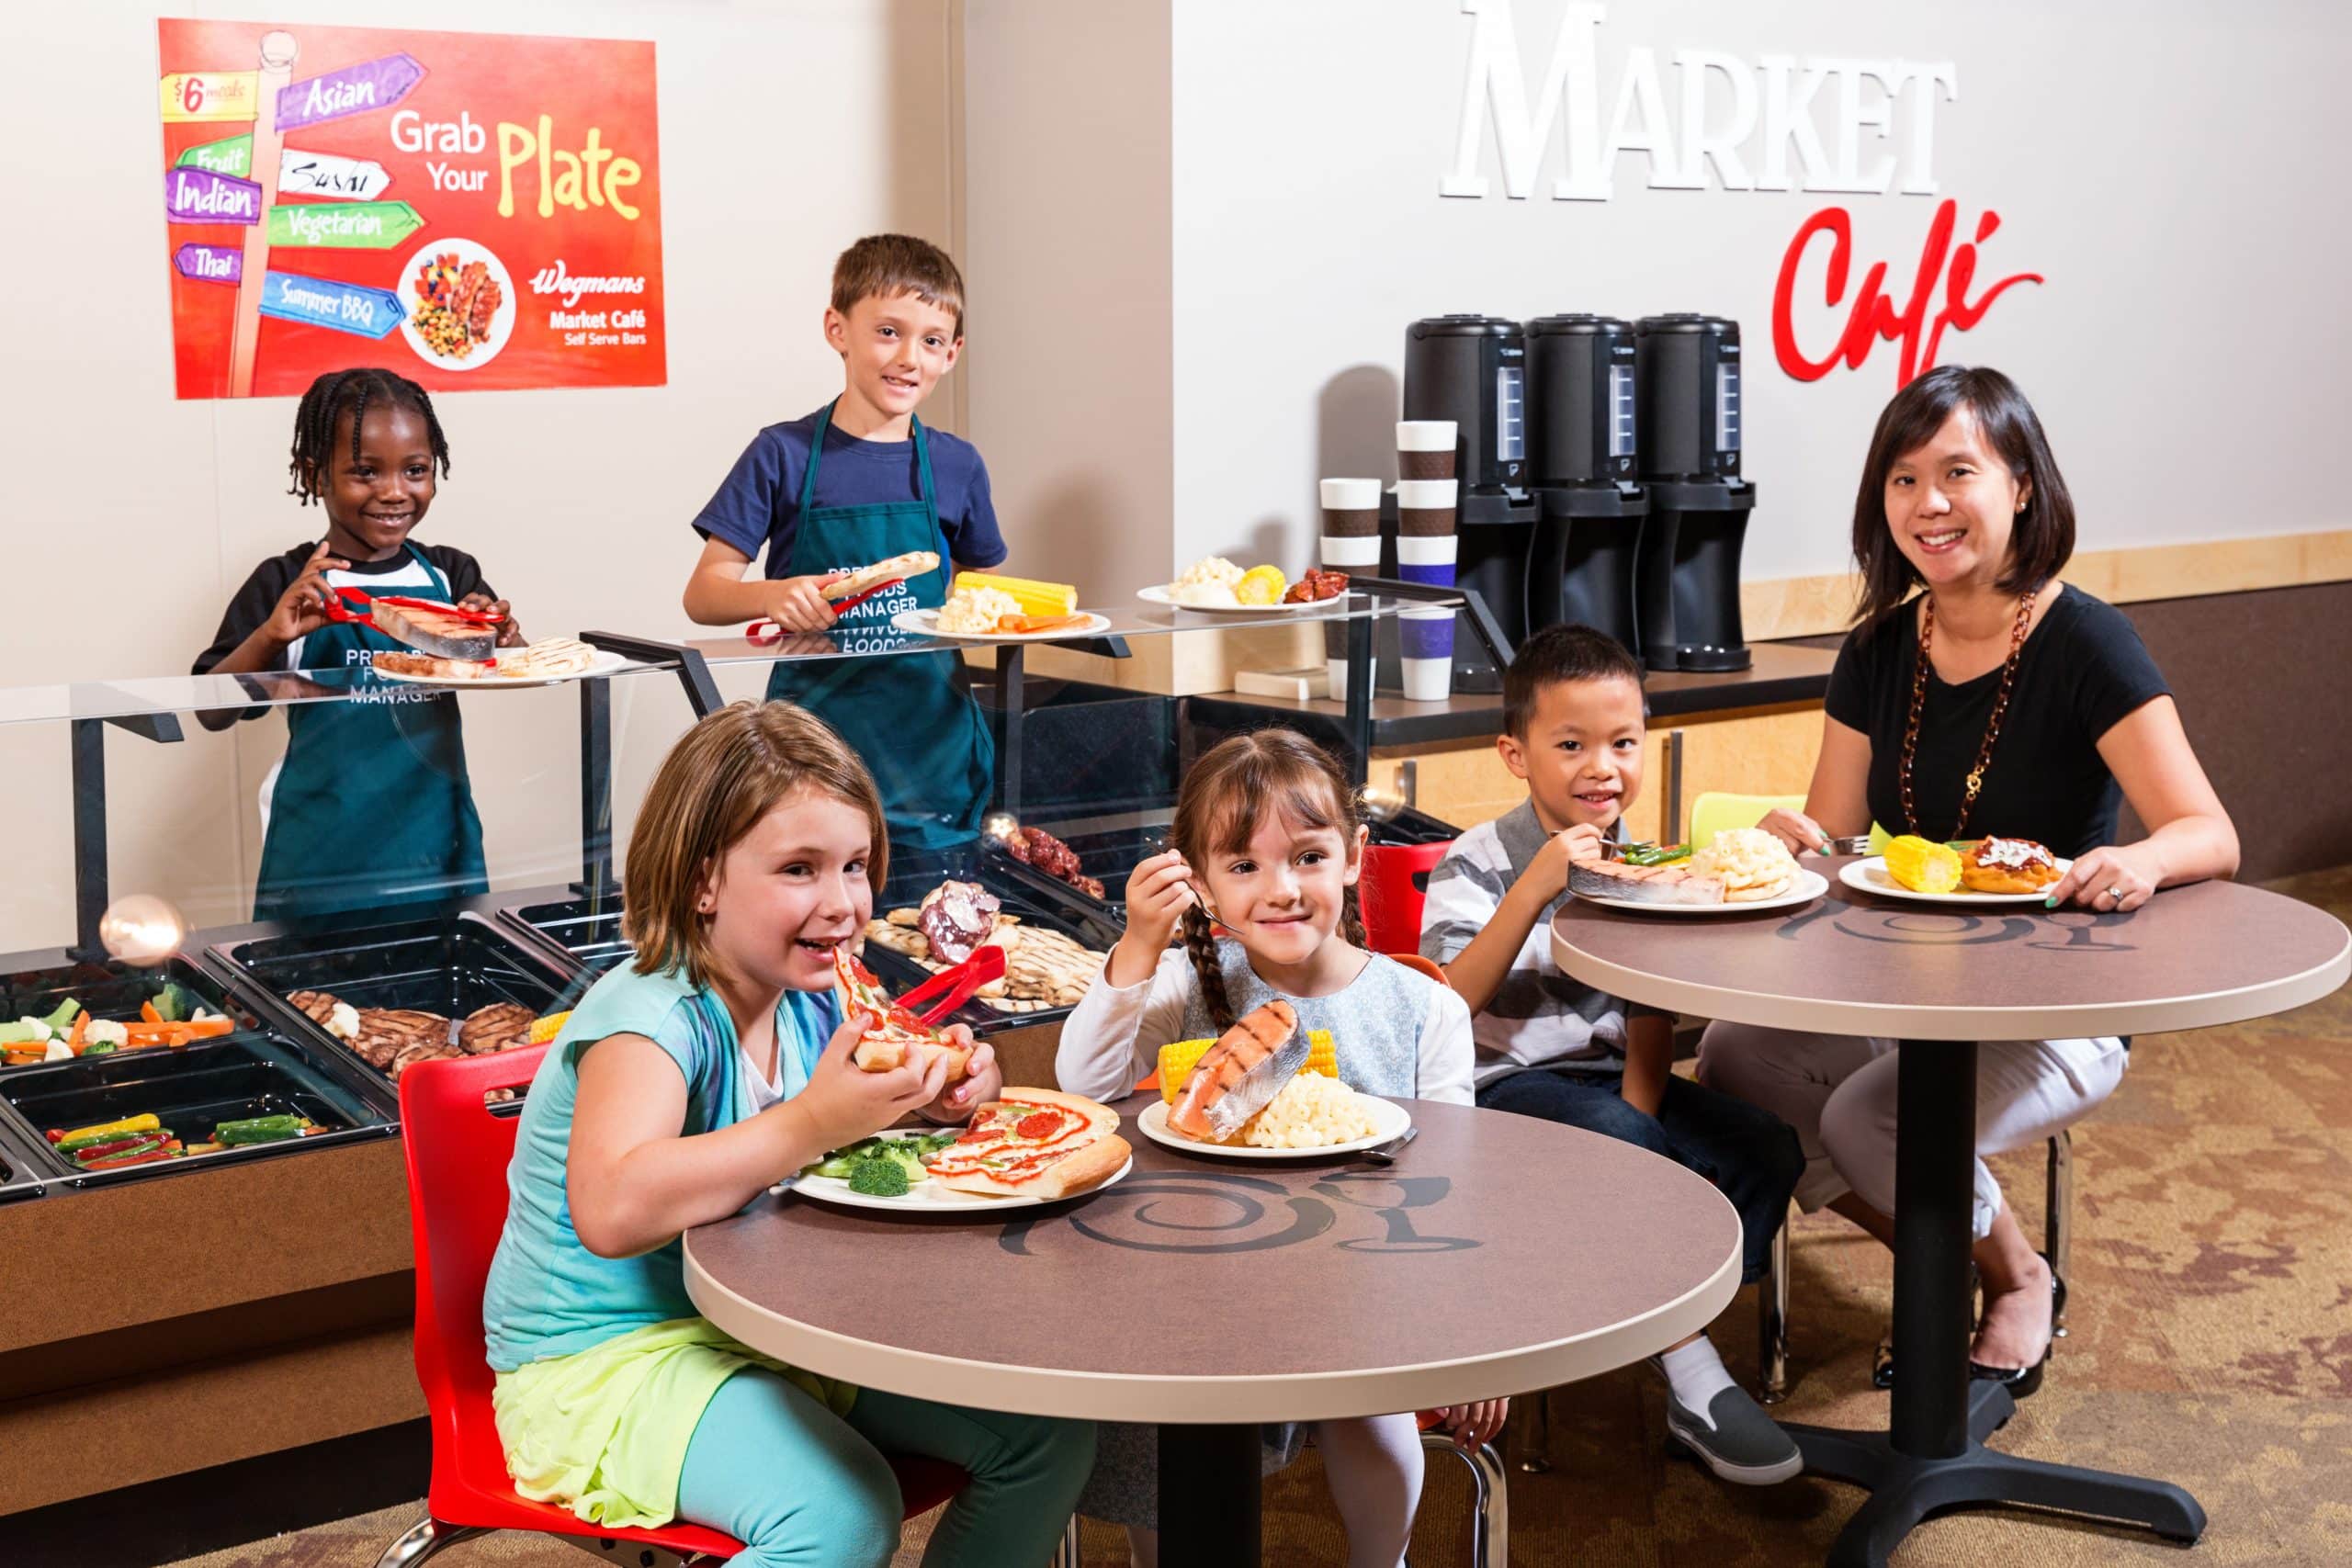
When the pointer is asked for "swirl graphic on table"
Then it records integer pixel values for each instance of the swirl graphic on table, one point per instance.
(1922, 928)
(1218, 1212)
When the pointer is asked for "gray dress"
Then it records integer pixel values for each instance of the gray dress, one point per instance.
(1375, 1024)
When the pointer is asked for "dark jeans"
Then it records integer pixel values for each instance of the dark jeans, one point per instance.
(1748, 1152)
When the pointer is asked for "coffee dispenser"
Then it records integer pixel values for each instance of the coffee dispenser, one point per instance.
(1687, 379)
(1581, 376)
(1472, 369)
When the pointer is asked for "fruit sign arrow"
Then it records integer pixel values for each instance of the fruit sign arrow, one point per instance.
(232, 156)
(361, 225)
(324, 303)
(353, 89)
(199, 196)
(209, 264)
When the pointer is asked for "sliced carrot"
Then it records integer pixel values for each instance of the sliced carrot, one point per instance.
(81, 1028)
(147, 1012)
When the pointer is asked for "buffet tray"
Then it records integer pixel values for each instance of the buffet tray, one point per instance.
(190, 1090)
(23, 1173)
(451, 963)
(1042, 902)
(586, 931)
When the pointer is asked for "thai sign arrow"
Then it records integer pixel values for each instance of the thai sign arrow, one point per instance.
(361, 225)
(199, 196)
(209, 264)
(353, 89)
(324, 303)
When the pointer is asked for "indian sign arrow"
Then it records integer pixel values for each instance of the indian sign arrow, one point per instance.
(353, 89)
(363, 225)
(324, 303)
(199, 196)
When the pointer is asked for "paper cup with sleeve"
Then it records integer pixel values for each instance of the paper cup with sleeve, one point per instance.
(1425, 449)
(1425, 553)
(1350, 544)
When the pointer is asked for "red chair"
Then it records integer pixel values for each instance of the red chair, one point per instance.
(458, 1150)
(1396, 879)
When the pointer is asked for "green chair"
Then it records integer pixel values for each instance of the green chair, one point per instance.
(1717, 810)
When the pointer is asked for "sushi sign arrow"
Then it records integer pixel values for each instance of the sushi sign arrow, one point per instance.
(364, 225)
(353, 89)
(298, 172)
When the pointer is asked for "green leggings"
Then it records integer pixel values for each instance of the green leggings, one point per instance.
(801, 1487)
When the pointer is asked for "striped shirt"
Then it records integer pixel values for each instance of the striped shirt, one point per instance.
(1540, 1017)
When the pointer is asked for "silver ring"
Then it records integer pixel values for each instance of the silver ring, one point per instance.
(2116, 893)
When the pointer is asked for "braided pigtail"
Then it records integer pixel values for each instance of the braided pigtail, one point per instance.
(1208, 969)
(1351, 922)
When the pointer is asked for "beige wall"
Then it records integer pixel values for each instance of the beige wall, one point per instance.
(788, 128)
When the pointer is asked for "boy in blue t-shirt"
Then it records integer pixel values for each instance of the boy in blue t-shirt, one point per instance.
(858, 481)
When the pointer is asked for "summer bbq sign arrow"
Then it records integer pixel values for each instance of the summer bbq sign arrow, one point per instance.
(326, 302)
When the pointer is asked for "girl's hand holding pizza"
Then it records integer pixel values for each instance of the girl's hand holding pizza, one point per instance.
(844, 1102)
(983, 1081)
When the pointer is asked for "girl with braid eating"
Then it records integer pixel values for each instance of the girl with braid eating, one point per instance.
(1266, 847)
(370, 806)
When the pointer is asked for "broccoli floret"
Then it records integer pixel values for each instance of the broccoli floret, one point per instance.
(879, 1178)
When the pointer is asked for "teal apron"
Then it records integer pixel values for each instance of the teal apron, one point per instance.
(910, 717)
(371, 806)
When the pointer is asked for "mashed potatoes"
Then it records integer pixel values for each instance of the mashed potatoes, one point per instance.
(1211, 570)
(1752, 864)
(976, 609)
(1311, 1112)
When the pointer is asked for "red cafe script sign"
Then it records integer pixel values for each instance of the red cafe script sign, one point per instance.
(1873, 316)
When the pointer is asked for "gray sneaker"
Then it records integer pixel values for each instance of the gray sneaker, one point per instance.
(1734, 1439)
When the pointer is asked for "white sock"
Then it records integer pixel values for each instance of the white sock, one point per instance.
(1697, 1375)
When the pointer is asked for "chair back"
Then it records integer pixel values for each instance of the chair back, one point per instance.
(1395, 880)
(1717, 810)
(458, 1150)
(1419, 966)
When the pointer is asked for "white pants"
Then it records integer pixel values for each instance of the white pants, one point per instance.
(1839, 1093)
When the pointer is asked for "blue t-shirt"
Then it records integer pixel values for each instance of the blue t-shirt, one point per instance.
(759, 505)
(548, 1295)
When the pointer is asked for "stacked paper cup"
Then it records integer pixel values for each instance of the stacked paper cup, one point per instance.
(1350, 544)
(1427, 492)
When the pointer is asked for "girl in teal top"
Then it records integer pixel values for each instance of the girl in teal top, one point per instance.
(680, 1089)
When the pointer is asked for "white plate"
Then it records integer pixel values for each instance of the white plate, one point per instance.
(928, 1197)
(926, 623)
(1392, 1120)
(604, 663)
(1870, 875)
(502, 321)
(1809, 885)
(1164, 595)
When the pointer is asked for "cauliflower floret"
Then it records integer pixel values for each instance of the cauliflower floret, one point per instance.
(105, 1032)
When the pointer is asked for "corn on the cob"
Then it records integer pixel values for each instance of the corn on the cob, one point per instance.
(1037, 597)
(1176, 1061)
(1921, 865)
(546, 1029)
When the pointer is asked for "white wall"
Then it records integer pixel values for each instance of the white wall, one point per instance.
(2168, 166)
(788, 128)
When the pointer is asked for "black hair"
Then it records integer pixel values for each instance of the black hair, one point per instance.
(2042, 537)
(1558, 654)
(339, 392)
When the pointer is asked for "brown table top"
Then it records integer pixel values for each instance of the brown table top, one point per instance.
(1856, 964)
(1500, 1254)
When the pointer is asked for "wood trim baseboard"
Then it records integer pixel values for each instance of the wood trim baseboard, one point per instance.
(1813, 606)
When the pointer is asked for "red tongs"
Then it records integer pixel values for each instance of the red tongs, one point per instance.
(339, 602)
(764, 630)
(985, 965)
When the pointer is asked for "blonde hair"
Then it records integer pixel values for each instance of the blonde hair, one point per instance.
(899, 263)
(722, 777)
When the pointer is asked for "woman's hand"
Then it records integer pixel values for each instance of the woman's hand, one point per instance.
(2109, 880)
(844, 1102)
(1158, 892)
(303, 608)
(798, 604)
(983, 1081)
(1795, 829)
(1473, 1425)
(509, 634)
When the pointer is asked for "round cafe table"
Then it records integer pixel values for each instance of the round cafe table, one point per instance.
(1938, 980)
(1500, 1254)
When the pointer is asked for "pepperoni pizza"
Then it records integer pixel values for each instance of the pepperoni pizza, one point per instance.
(1034, 1142)
(893, 1036)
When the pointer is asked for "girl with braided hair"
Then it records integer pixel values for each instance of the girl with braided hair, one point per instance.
(1259, 877)
(371, 806)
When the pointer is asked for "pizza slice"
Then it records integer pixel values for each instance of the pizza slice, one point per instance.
(893, 1036)
(1034, 1142)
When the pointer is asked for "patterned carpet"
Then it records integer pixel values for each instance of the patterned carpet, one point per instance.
(2212, 1344)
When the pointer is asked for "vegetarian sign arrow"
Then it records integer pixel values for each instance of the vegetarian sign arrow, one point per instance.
(324, 303)
(324, 174)
(199, 196)
(363, 225)
(209, 264)
(353, 89)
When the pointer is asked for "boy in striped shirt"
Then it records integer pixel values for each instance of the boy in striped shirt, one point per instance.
(1553, 1047)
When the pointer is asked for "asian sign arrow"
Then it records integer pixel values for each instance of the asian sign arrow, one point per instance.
(324, 303)
(353, 89)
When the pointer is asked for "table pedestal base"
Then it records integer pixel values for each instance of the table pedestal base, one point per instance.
(1905, 1489)
(1209, 1495)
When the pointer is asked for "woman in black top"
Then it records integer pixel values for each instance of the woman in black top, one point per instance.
(2041, 713)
